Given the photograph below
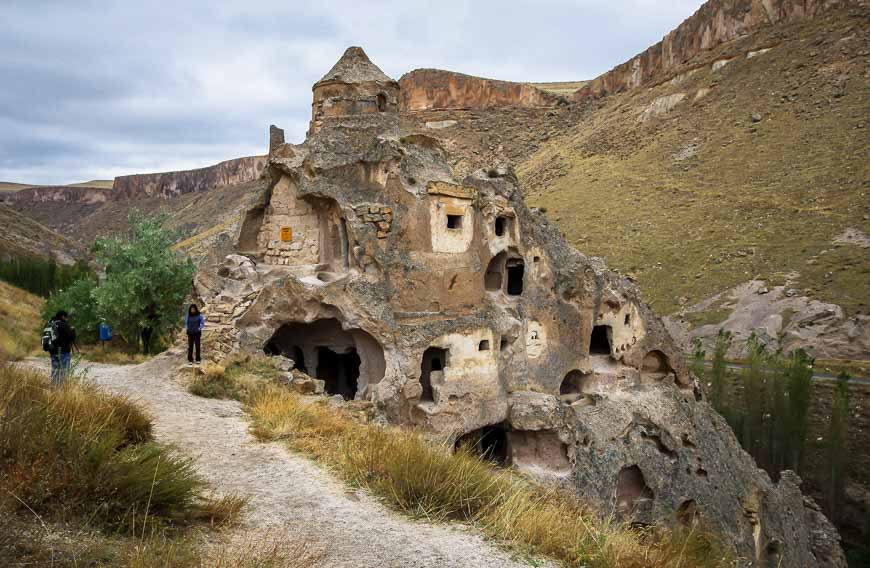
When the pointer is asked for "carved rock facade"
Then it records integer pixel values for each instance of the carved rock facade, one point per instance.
(449, 305)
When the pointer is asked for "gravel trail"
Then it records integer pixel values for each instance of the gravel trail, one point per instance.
(290, 494)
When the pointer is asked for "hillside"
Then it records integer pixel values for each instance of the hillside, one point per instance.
(755, 170)
(21, 235)
(20, 314)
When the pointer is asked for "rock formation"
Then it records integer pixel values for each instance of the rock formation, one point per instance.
(170, 184)
(453, 307)
(434, 89)
(716, 22)
(61, 193)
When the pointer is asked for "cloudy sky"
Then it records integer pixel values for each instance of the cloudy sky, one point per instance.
(90, 90)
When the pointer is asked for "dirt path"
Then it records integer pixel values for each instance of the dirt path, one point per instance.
(290, 494)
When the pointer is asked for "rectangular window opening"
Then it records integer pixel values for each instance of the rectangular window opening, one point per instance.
(454, 221)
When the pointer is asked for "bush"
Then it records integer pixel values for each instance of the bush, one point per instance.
(77, 452)
(42, 277)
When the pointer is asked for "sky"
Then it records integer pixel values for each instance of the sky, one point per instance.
(91, 90)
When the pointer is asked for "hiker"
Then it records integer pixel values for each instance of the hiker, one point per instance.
(58, 338)
(193, 323)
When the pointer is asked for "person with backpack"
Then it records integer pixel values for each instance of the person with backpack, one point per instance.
(58, 339)
(194, 324)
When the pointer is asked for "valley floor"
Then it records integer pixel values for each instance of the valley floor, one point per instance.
(289, 495)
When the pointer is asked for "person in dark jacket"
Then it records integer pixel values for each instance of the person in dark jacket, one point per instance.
(61, 355)
(194, 324)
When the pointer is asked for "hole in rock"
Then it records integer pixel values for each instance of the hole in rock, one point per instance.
(489, 442)
(627, 319)
(773, 554)
(492, 280)
(515, 270)
(501, 224)
(382, 102)
(348, 361)
(434, 361)
(483, 345)
(656, 362)
(599, 343)
(631, 487)
(454, 221)
(574, 383)
(503, 344)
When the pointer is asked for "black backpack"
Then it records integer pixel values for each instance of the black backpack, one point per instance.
(50, 336)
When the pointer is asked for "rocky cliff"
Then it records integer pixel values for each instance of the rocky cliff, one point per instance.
(716, 22)
(169, 184)
(61, 193)
(434, 89)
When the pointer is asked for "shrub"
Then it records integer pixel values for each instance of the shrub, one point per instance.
(77, 452)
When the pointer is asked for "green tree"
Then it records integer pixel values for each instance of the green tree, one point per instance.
(837, 453)
(145, 281)
(799, 384)
(699, 357)
(79, 300)
(719, 374)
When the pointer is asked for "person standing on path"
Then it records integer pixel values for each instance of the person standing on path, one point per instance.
(60, 348)
(194, 324)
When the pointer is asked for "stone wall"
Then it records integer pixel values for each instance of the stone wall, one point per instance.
(716, 22)
(286, 211)
(434, 89)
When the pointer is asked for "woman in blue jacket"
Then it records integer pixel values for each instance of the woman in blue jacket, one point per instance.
(193, 323)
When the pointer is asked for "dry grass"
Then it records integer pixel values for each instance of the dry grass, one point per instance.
(101, 183)
(19, 322)
(112, 355)
(560, 87)
(702, 199)
(428, 481)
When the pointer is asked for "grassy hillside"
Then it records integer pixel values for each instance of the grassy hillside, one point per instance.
(564, 88)
(103, 183)
(12, 187)
(20, 314)
(754, 173)
(21, 235)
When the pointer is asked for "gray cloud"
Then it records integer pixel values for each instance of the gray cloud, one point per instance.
(97, 89)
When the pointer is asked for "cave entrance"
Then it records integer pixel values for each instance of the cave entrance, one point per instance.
(495, 273)
(434, 362)
(489, 442)
(505, 273)
(574, 383)
(348, 361)
(339, 371)
(599, 343)
(515, 270)
(631, 488)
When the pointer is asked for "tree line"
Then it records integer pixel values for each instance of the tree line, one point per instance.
(42, 276)
(767, 405)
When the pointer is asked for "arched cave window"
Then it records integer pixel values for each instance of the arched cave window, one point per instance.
(434, 360)
(631, 487)
(483, 345)
(656, 362)
(515, 271)
(382, 102)
(599, 344)
(573, 383)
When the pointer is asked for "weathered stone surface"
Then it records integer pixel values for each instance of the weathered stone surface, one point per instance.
(430, 89)
(66, 194)
(472, 317)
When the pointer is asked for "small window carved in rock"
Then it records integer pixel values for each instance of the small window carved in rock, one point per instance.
(483, 345)
(382, 103)
(627, 319)
(454, 222)
(504, 344)
(500, 226)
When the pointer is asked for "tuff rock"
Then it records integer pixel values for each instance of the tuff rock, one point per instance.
(448, 305)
